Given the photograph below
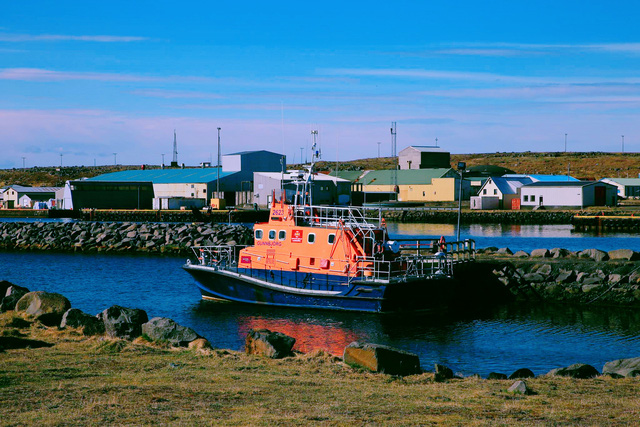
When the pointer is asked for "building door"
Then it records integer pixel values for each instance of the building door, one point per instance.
(600, 196)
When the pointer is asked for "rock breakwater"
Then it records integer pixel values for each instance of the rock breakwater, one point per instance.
(479, 217)
(590, 276)
(166, 238)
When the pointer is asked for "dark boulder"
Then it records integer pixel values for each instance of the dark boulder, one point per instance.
(577, 370)
(624, 367)
(11, 297)
(522, 373)
(442, 373)
(122, 322)
(46, 307)
(4, 285)
(263, 342)
(497, 376)
(75, 318)
(164, 329)
(381, 358)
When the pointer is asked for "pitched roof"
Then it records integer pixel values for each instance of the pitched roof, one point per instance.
(25, 189)
(624, 181)
(427, 149)
(510, 185)
(293, 175)
(405, 176)
(164, 176)
(348, 175)
(564, 183)
(540, 177)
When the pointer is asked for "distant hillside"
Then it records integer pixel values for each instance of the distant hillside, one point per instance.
(595, 165)
(54, 176)
(582, 165)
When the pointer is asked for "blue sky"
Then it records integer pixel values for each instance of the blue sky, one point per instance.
(89, 79)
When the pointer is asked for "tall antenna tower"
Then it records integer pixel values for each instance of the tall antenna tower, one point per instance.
(394, 174)
(174, 162)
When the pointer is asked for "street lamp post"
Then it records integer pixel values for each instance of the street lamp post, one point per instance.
(115, 159)
(461, 168)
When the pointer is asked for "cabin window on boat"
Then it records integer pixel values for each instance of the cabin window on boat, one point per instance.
(311, 238)
(282, 235)
(258, 234)
(331, 238)
(272, 234)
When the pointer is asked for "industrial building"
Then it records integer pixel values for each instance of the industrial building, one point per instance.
(568, 194)
(16, 196)
(422, 185)
(184, 187)
(627, 187)
(423, 157)
(326, 189)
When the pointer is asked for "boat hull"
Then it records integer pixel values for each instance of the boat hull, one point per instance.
(359, 295)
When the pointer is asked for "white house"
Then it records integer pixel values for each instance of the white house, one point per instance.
(569, 194)
(627, 187)
(503, 188)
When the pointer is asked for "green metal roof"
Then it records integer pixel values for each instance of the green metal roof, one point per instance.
(348, 175)
(164, 176)
(405, 176)
(626, 181)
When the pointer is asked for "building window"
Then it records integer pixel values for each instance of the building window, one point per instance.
(311, 238)
(495, 191)
(272, 234)
(533, 198)
(484, 191)
(331, 238)
(204, 190)
(526, 198)
(258, 234)
(282, 235)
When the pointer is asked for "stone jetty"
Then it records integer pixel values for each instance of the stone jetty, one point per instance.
(590, 276)
(169, 238)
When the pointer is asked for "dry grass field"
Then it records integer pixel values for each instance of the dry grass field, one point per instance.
(92, 381)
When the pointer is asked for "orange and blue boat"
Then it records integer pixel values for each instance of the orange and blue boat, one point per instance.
(329, 257)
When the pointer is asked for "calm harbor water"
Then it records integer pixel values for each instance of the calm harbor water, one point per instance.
(479, 340)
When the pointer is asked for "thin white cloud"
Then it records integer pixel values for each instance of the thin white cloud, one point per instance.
(424, 74)
(43, 75)
(175, 94)
(62, 37)
(502, 49)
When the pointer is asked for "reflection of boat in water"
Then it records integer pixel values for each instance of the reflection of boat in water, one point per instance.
(309, 336)
(329, 257)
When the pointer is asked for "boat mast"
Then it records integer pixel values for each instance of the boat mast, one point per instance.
(315, 155)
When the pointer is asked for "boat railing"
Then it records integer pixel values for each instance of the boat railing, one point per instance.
(461, 251)
(222, 256)
(332, 216)
(409, 266)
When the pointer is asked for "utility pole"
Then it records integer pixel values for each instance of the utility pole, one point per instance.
(395, 160)
(23, 163)
(218, 168)
(61, 159)
(162, 158)
(301, 148)
(565, 142)
(115, 161)
(623, 143)
(379, 149)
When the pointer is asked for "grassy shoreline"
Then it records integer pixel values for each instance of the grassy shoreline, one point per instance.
(97, 381)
